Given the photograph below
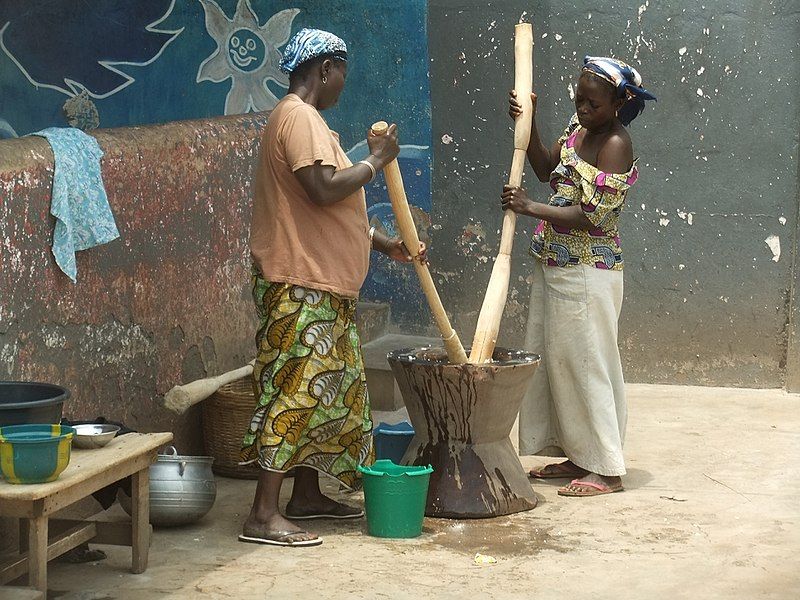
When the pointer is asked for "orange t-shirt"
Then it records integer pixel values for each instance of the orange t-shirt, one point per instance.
(292, 239)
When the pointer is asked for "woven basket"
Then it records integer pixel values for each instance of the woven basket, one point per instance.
(226, 417)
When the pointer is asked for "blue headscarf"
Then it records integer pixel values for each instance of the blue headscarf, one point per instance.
(311, 43)
(626, 81)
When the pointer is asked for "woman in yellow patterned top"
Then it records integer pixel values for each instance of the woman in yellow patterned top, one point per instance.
(575, 406)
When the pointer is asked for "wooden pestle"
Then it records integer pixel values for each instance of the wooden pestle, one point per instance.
(408, 232)
(495, 300)
(181, 397)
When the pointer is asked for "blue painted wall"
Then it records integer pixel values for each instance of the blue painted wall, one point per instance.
(161, 60)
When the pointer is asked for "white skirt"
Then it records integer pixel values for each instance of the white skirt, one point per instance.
(575, 406)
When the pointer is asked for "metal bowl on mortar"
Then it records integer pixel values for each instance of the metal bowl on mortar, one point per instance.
(93, 436)
(182, 489)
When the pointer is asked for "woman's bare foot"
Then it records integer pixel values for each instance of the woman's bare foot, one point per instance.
(592, 484)
(320, 507)
(275, 528)
(564, 470)
(308, 502)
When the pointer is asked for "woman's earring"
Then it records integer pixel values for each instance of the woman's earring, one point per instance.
(324, 80)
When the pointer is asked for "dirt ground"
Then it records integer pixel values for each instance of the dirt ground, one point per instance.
(710, 510)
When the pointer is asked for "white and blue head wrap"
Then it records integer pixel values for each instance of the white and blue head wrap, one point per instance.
(626, 81)
(308, 44)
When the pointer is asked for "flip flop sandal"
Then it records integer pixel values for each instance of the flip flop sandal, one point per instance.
(596, 489)
(356, 515)
(279, 538)
(555, 472)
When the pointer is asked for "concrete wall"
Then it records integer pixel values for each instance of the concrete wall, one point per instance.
(167, 302)
(706, 301)
(120, 52)
(120, 63)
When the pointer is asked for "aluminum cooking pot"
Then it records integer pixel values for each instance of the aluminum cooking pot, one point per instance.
(182, 489)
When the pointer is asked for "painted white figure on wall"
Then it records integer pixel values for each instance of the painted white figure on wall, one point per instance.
(52, 63)
(247, 54)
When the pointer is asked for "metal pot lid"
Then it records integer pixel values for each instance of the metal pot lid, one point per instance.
(173, 456)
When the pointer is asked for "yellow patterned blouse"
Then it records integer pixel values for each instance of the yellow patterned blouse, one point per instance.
(600, 195)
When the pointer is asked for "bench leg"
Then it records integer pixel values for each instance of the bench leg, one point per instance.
(24, 529)
(37, 553)
(140, 524)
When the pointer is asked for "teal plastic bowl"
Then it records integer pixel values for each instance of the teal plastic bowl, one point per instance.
(34, 453)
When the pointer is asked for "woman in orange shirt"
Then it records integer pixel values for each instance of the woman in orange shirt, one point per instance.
(310, 242)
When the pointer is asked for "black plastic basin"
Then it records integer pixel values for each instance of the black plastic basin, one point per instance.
(23, 402)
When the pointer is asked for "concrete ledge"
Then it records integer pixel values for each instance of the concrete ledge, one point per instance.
(168, 302)
(372, 319)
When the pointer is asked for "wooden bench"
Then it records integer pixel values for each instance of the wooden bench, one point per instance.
(88, 471)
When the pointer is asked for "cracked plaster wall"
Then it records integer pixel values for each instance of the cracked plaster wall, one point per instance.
(709, 230)
(167, 302)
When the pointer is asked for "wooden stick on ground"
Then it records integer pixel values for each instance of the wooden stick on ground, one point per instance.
(494, 302)
(408, 231)
(180, 398)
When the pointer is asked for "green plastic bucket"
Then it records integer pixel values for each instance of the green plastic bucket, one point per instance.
(395, 497)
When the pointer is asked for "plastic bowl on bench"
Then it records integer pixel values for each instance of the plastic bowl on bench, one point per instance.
(34, 453)
(26, 402)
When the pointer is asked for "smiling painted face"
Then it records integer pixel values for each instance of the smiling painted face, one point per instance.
(246, 50)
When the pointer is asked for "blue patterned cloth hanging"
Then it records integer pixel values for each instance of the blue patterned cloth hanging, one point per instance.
(79, 202)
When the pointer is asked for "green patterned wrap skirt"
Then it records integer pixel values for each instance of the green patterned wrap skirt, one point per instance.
(313, 407)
